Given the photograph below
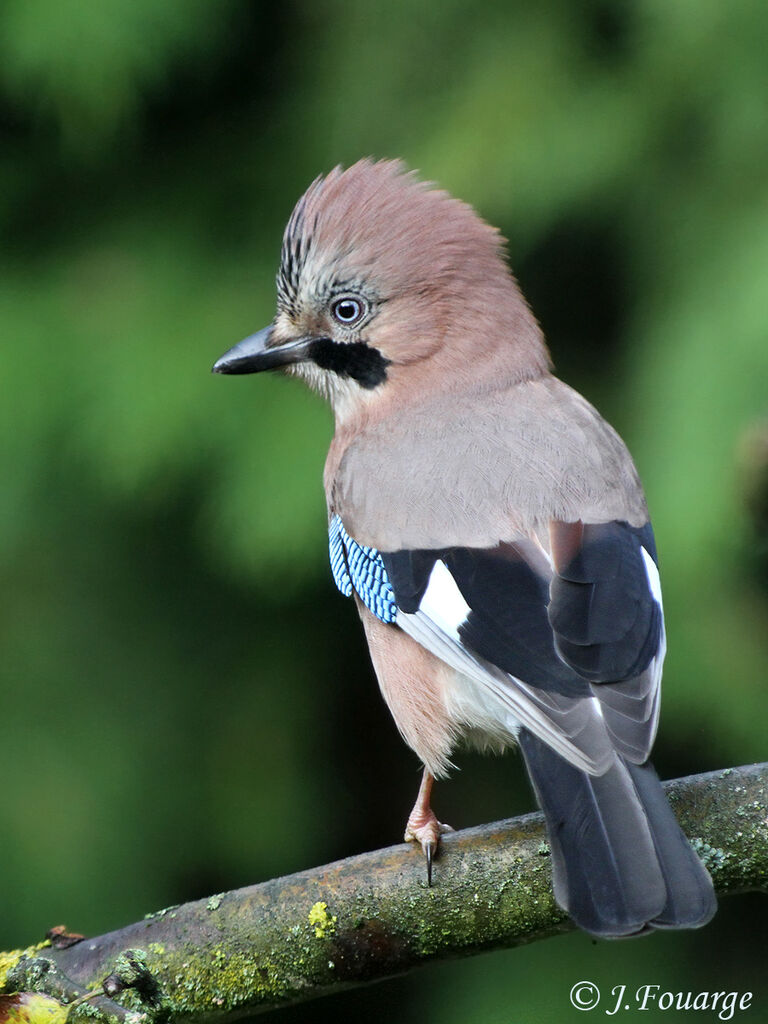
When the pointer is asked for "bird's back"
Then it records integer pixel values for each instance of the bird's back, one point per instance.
(468, 469)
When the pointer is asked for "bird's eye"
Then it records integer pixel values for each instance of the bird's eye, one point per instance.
(348, 311)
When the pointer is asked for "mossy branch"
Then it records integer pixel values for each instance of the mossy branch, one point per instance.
(364, 918)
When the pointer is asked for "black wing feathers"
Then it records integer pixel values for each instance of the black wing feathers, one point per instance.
(408, 573)
(606, 621)
(596, 621)
(507, 624)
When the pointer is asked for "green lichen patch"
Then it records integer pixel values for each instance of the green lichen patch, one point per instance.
(9, 960)
(162, 913)
(714, 859)
(221, 980)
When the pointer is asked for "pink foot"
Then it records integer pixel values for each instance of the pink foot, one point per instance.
(424, 828)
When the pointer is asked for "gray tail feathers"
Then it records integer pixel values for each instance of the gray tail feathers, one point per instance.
(620, 862)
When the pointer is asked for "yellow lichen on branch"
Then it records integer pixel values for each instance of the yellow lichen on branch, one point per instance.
(323, 923)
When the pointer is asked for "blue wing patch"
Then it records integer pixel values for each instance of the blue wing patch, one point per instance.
(355, 566)
(338, 557)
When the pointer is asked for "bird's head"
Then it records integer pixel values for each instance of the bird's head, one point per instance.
(384, 279)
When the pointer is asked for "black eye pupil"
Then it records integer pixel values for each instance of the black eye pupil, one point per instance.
(347, 310)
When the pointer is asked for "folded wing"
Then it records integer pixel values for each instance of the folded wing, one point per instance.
(543, 644)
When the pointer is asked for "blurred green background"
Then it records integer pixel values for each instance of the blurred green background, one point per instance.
(187, 704)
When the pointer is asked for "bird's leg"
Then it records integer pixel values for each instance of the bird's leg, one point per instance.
(423, 827)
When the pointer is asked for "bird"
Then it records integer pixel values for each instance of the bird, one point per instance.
(491, 528)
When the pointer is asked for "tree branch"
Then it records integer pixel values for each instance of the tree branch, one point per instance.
(366, 917)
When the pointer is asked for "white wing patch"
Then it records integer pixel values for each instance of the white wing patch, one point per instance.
(443, 602)
(656, 666)
(654, 580)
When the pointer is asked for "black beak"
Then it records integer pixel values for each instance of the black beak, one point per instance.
(255, 354)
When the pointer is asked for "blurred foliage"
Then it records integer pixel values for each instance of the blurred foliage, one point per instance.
(162, 532)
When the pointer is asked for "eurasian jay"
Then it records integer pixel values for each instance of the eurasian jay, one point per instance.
(491, 528)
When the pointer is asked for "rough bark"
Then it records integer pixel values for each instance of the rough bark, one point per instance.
(364, 918)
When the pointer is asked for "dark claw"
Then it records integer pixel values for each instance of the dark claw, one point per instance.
(429, 853)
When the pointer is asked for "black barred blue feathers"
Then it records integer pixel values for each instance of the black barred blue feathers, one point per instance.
(356, 566)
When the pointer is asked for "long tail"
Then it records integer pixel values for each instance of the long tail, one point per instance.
(621, 864)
